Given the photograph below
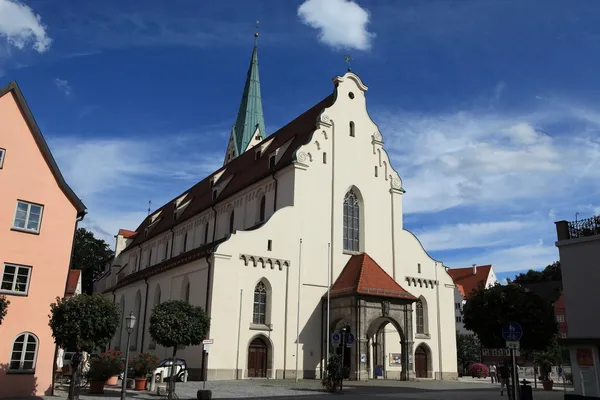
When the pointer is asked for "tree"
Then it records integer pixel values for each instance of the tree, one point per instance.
(468, 349)
(83, 323)
(4, 302)
(177, 323)
(89, 255)
(552, 272)
(547, 358)
(488, 310)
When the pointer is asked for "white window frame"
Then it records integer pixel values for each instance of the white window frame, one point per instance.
(29, 204)
(560, 318)
(2, 153)
(23, 352)
(13, 291)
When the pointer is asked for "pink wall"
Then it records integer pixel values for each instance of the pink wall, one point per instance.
(26, 176)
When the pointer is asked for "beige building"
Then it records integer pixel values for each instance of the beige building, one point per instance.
(579, 249)
(253, 244)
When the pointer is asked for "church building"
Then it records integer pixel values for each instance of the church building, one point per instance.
(257, 244)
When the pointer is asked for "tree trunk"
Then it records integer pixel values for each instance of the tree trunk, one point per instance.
(74, 385)
(171, 390)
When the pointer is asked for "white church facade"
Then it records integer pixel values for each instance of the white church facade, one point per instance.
(253, 244)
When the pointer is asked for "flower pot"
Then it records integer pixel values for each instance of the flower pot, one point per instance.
(548, 384)
(112, 381)
(96, 387)
(140, 383)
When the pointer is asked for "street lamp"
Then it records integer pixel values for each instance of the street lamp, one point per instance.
(129, 324)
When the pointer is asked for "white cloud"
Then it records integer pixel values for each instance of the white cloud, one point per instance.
(63, 86)
(22, 27)
(466, 236)
(473, 158)
(116, 177)
(341, 23)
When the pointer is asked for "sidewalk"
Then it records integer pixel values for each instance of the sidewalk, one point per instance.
(557, 386)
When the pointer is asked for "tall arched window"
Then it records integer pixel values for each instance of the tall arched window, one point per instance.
(206, 233)
(185, 242)
(260, 304)
(150, 257)
(24, 353)
(263, 208)
(156, 302)
(351, 128)
(137, 309)
(420, 317)
(231, 220)
(120, 331)
(351, 222)
(187, 292)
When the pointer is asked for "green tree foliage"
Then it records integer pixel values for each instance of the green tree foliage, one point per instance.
(4, 302)
(84, 322)
(547, 358)
(89, 255)
(177, 323)
(552, 272)
(488, 310)
(468, 349)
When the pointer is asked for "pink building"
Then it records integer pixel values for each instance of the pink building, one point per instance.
(38, 218)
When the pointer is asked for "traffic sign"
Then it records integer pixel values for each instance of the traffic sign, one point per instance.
(335, 338)
(208, 341)
(207, 347)
(512, 332)
(514, 345)
(349, 340)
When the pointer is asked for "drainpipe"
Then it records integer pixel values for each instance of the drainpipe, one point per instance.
(285, 322)
(322, 334)
(207, 310)
(332, 239)
(439, 328)
(79, 218)
(145, 311)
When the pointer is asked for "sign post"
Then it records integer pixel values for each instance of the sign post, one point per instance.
(206, 344)
(512, 333)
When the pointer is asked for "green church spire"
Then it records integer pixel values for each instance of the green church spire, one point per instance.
(250, 115)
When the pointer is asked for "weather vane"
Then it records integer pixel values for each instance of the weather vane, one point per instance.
(256, 33)
(149, 205)
(348, 59)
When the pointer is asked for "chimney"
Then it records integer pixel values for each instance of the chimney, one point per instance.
(474, 269)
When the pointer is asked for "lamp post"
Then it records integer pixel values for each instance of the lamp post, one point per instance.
(129, 324)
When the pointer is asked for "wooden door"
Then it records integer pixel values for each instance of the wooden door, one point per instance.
(421, 362)
(257, 359)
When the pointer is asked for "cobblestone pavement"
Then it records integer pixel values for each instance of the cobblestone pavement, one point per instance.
(311, 390)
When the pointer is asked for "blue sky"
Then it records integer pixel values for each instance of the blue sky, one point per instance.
(487, 107)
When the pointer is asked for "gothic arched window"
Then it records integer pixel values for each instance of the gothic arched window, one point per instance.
(260, 304)
(263, 208)
(420, 317)
(351, 222)
(231, 220)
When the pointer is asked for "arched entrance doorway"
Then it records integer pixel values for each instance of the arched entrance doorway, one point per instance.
(385, 347)
(421, 361)
(258, 356)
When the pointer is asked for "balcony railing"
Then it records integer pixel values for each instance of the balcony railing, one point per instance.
(578, 228)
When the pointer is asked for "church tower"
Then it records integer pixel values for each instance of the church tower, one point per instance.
(249, 128)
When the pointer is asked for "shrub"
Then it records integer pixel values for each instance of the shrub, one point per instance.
(333, 374)
(143, 364)
(479, 370)
(113, 361)
(99, 371)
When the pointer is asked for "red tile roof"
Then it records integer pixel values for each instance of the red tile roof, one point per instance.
(127, 233)
(469, 281)
(243, 171)
(72, 281)
(362, 275)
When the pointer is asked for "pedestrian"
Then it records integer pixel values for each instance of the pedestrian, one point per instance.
(493, 373)
(504, 375)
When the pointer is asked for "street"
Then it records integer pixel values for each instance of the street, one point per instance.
(311, 389)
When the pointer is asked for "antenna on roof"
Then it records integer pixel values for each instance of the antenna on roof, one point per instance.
(348, 59)
(149, 204)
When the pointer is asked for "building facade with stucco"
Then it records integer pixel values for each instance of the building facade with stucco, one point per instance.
(258, 243)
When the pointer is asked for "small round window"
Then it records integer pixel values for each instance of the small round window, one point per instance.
(351, 95)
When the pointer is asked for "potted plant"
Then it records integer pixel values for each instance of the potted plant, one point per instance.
(114, 361)
(479, 370)
(142, 365)
(98, 374)
(333, 377)
(545, 360)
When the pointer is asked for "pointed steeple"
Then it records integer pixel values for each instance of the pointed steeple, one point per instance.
(250, 123)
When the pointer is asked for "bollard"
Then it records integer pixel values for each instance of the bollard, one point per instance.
(526, 390)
